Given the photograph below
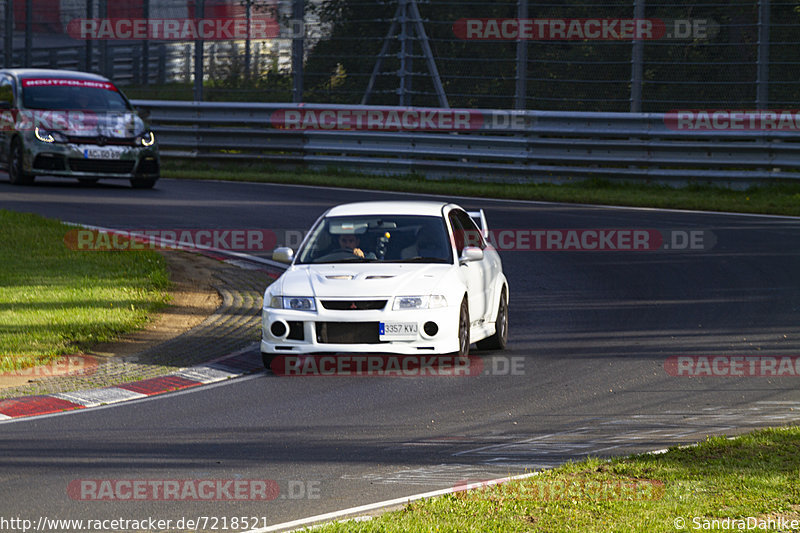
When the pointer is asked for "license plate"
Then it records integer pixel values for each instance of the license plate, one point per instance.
(102, 153)
(397, 330)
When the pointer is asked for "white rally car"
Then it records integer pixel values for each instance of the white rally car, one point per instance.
(388, 277)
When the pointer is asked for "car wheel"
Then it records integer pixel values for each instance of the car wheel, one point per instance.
(143, 183)
(16, 171)
(267, 358)
(463, 329)
(499, 340)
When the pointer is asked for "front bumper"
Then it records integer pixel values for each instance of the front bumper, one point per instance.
(327, 331)
(87, 161)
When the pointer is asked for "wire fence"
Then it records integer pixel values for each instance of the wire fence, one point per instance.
(621, 55)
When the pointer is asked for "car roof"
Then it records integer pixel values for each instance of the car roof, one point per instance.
(389, 208)
(24, 73)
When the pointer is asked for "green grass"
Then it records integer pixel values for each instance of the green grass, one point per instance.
(779, 198)
(56, 301)
(756, 475)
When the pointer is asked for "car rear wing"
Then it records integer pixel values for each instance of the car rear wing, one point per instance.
(480, 220)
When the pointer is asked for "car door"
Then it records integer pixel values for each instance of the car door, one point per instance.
(473, 273)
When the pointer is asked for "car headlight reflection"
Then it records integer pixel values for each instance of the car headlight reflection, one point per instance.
(148, 139)
(48, 136)
(296, 303)
(433, 301)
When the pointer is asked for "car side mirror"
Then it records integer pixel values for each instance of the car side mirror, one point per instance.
(470, 253)
(283, 255)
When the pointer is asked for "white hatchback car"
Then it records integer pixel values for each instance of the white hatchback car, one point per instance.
(388, 277)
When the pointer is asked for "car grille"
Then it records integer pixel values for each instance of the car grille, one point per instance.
(347, 332)
(353, 305)
(114, 141)
(112, 166)
(49, 162)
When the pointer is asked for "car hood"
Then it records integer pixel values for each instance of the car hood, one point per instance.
(362, 281)
(75, 122)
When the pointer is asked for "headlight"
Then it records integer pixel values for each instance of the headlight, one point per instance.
(297, 303)
(148, 139)
(433, 301)
(48, 136)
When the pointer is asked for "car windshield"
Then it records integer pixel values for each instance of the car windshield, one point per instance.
(386, 239)
(87, 98)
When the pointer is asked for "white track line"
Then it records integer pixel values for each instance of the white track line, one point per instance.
(507, 200)
(328, 517)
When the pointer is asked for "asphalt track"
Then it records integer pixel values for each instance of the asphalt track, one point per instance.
(591, 333)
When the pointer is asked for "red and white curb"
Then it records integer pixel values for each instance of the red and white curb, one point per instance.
(228, 367)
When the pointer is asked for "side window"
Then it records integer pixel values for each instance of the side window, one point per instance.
(458, 232)
(6, 92)
(472, 235)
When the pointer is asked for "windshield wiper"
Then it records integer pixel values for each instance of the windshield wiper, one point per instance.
(353, 259)
(420, 259)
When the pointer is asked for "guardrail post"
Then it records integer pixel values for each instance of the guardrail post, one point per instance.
(28, 33)
(88, 51)
(8, 47)
(762, 82)
(522, 61)
(637, 59)
(103, 66)
(248, 15)
(109, 66)
(298, 48)
(198, 56)
(405, 56)
(162, 64)
(145, 64)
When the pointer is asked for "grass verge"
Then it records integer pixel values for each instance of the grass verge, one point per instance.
(56, 301)
(752, 478)
(780, 198)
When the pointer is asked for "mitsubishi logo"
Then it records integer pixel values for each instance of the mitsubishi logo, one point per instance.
(353, 306)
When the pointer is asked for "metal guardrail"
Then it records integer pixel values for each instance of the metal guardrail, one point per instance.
(488, 145)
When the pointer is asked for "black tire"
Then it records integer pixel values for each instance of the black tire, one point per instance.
(267, 358)
(463, 329)
(143, 183)
(499, 340)
(16, 171)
